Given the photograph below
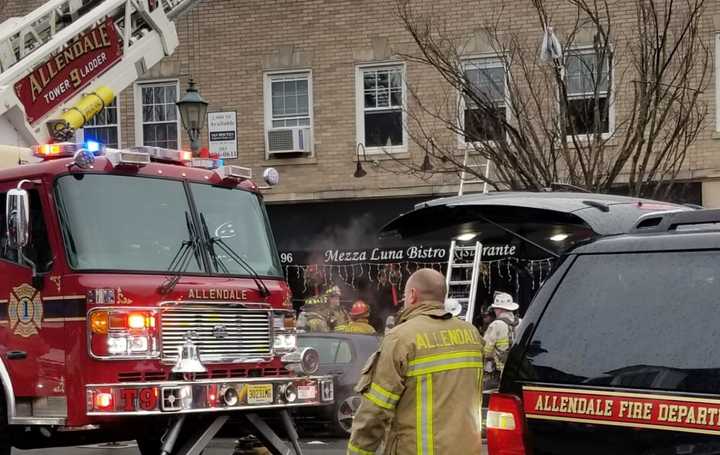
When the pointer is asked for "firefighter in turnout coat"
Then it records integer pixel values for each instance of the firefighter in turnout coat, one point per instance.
(358, 320)
(499, 335)
(422, 390)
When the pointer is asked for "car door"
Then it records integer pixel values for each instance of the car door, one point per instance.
(32, 339)
(616, 360)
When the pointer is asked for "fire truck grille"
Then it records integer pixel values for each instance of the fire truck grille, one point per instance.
(220, 335)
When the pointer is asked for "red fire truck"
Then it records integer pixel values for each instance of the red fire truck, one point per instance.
(142, 298)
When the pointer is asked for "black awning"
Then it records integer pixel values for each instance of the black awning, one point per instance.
(347, 225)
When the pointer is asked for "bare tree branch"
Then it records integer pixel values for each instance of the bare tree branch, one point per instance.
(615, 109)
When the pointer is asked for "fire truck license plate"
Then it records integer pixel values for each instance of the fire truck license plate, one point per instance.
(260, 394)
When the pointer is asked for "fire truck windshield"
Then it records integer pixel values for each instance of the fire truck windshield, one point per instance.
(132, 223)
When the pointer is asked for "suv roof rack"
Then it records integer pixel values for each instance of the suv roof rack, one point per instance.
(671, 220)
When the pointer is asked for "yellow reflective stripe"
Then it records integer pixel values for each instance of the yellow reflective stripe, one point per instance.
(383, 391)
(438, 362)
(424, 415)
(449, 355)
(503, 342)
(378, 402)
(429, 429)
(418, 415)
(448, 367)
(354, 449)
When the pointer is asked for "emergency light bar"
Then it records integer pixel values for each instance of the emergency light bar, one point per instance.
(164, 154)
(66, 149)
(205, 163)
(127, 158)
(234, 173)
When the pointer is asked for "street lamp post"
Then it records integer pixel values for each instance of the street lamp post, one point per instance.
(193, 111)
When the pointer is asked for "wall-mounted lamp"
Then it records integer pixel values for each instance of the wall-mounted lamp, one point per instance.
(426, 165)
(359, 171)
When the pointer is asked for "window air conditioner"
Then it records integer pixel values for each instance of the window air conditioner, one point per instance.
(289, 140)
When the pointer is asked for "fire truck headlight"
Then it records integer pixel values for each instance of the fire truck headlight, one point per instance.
(117, 345)
(138, 344)
(284, 326)
(285, 342)
(118, 333)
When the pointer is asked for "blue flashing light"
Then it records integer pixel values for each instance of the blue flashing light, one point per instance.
(92, 146)
(220, 163)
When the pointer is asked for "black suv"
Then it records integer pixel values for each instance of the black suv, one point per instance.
(619, 352)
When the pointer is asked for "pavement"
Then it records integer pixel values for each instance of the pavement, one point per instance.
(317, 444)
(311, 446)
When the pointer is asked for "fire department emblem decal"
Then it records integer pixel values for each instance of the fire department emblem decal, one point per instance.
(25, 311)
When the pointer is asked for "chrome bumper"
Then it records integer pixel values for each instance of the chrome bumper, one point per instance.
(207, 395)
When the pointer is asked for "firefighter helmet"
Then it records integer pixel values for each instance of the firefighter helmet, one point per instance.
(359, 309)
(332, 291)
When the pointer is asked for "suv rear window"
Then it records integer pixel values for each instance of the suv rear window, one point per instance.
(645, 320)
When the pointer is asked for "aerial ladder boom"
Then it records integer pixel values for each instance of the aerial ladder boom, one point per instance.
(142, 31)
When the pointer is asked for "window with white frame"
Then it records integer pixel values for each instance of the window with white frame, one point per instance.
(290, 95)
(160, 124)
(584, 72)
(104, 127)
(288, 113)
(484, 108)
(381, 103)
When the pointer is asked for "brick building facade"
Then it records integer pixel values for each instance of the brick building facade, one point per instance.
(322, 76)
(316, 54)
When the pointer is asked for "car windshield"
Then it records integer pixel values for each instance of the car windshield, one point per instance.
(129, 223)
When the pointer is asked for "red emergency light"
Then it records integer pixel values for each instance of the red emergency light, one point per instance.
(104, 401)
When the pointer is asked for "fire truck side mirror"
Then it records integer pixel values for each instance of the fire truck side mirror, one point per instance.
(17, 214)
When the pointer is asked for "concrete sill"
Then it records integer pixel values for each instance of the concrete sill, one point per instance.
(385, 157)
(290, 161)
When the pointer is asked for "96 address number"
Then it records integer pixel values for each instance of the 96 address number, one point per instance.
(286, 258)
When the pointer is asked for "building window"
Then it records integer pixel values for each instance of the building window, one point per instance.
(381, 105)
(486, 79)
(160, 121)
(290, 95)
(583, 73)
(288, 113)
(104, 127)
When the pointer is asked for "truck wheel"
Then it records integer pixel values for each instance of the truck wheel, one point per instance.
(5, 446)
(345, 409)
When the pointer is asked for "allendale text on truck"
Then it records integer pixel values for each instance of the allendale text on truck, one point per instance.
(69, 70)
(96, 39)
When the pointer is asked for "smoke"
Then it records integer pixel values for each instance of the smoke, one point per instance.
(355, 234)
